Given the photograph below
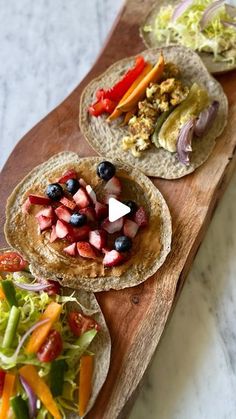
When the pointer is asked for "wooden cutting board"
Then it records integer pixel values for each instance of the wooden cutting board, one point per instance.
(136, 317)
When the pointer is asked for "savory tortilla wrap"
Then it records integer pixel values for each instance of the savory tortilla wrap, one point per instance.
(106, 137)
(150, 246)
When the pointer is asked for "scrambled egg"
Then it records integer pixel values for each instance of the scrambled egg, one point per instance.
(159, 98)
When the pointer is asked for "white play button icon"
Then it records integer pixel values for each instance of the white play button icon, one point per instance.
(116, 209)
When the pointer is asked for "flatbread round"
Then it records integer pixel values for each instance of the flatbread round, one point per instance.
(106, 138)
(150, 246)
(100, 346)
(150, 41)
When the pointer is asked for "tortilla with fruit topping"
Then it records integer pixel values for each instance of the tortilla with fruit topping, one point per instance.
(54, 343)
(168, 120)
(66, 234)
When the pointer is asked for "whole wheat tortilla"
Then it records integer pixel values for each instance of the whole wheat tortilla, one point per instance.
(150, 246)
(106, 138)
(100, 346)
(150, 41)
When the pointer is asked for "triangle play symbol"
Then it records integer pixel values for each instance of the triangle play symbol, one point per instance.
(116, 209)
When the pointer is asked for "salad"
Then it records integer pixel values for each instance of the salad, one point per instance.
(46, 364)
(202, 25)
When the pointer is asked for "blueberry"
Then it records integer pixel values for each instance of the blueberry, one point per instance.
(72, 186)
(123, 244)
(132, 205)
(54, 191)
(106, 170)
(78, 220)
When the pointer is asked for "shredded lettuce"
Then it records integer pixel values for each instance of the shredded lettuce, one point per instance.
(216, 38)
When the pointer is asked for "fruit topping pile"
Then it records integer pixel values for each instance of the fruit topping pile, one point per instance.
(72, 213)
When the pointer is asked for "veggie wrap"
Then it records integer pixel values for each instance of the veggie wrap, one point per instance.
(106, 138)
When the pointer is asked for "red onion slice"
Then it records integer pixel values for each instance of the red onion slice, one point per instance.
(206, 119)
(31, 287)
(184, 142)
(31, 396)
(226, 23)
(180, 9)
(209, 13)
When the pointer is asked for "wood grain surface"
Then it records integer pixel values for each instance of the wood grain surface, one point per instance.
(137, 316)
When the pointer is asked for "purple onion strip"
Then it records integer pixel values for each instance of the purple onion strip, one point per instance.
(180, 9)
(184, 142)
(31, 396)
(226, 23)
(32, 287)
(206, 119)
(209, 13)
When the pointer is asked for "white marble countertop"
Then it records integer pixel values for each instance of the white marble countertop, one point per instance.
(46, 47)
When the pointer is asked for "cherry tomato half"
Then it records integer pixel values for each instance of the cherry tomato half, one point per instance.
(51, 348)
(79, 323)
(12, 262)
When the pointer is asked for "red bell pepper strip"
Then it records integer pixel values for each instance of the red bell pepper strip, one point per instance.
(2, 379)
(108, 99)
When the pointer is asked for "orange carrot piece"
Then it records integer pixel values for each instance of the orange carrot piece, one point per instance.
(2, 295)
(85, 382)
(39, 335)
(40, 388)
(116, 113)
(129, 115)
(139, 92)
(8, 388)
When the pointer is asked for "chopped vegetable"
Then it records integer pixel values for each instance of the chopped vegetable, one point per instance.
(116, 113)
(12, 262)
(180, 9)
(102, 106)
(38, 337)
(139, 92)
(32, 287)
(209, 13)
(160, 121)
(184, 143)
(51, 347)
(40, 388)
(2, 379)
(20, 408)
(85, 382)
(2, 295)
(79, 323)
(10, 292)
(12, 324)
(7, 394)
(57, 373)
(129, 115)
(206, 119)
(32, 399)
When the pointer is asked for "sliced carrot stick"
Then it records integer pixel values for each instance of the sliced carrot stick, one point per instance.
(139, 92)
(129, 115)
(85, 382)
(40, 388)
(2, 295)
(116, 113)
(39, 335)
(8, 388)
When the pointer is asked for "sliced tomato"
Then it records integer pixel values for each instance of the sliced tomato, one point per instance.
(79, 323)
(12, 262)
(51, 348)
(2, 379)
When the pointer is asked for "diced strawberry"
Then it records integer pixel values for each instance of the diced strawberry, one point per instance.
(101, 210)
(69, 174)
(141, 218)
(82, 183)
(107, 197)
(63, 213)
(130, 228)
(97, 238)
(69, 203)
(81, 198)
(86, 251)
(46, 212)
(26, 206)
(91, 194)
(53, 235)
(78, 233)
(71, 249)
(39, 200)
(112, 258)
(112, 227)
(113, 186)
(44, 222)
(90, 213)
(61, 229)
